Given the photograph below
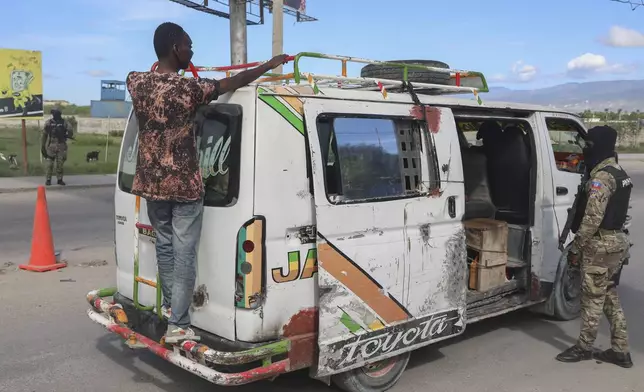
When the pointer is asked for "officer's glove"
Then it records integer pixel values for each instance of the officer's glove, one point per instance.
(43, 151)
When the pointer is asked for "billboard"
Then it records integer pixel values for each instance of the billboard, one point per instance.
(298, 5)
(21, 84)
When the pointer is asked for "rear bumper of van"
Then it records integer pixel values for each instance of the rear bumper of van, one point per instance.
(194, 357)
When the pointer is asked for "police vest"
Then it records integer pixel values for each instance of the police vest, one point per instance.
(58, 131)
(617, 208)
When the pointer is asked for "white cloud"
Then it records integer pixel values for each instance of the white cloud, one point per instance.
(99, 59)
(524, 72)
(590, 63)
(587, 62)
(623, 37)
(519, 72)
(97, 73)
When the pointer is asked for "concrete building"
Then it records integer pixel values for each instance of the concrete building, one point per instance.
(112, 103)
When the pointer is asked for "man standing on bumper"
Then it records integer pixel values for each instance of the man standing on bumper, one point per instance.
(168, 174)
(603, 245)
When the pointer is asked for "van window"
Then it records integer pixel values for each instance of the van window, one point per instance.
(567, 144)
(129, 154)
(218, 138)
(219, 143)
(369, 158)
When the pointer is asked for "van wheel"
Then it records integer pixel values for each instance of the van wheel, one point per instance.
(378, 71)
(567, 292)
(377, 377)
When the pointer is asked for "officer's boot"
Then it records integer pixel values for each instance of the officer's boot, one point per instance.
(48, 182)
(61, 182)
(575, 354)
(616, 358)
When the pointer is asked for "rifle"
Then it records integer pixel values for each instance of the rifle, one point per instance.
(572, 211)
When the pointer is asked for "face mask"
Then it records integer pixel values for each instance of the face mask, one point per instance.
(183, 57)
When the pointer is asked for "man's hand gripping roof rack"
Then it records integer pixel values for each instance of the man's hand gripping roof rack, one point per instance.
(460, 81)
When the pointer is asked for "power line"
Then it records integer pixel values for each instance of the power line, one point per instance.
(633, 3)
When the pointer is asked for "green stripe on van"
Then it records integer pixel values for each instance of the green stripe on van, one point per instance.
(241, 257)
(285, 112)
(348, 322)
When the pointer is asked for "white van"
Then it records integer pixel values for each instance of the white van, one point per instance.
(349, 221)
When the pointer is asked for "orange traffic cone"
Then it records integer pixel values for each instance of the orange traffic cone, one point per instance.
(42, 242)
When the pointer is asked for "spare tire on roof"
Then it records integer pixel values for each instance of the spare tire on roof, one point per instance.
(378, 71)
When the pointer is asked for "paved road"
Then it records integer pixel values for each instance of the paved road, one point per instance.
(48, 344)
(80, 219)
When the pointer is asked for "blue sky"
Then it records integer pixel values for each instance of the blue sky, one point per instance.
(517, 44)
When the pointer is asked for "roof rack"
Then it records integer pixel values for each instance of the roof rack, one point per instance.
(461, 81)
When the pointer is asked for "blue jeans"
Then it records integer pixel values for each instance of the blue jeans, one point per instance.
(178, 230)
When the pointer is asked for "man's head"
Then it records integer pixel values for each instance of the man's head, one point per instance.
(490, 131)
(56, 113)
(173, 46)
(600, 145)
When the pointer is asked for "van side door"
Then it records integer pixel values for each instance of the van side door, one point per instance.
(564, 164)
(388, 188)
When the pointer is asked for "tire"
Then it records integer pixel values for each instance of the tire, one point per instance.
(378, 71)
(567, 292)
(377, 377)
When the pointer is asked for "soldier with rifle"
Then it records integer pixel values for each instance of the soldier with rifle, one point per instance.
(54, 144)
(601, 247)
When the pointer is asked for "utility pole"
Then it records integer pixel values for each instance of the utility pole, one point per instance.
(238, 37)
(278, 30)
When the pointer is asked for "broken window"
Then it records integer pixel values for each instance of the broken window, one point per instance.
(567, 144)
(371, 158)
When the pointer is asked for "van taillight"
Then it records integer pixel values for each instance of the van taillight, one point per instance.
(248, 246)
(249, 271)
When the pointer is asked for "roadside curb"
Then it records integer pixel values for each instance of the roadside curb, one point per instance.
(55, 188)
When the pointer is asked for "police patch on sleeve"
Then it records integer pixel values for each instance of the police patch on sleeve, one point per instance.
(595, 185)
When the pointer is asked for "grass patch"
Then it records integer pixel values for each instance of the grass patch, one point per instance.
(11, 143)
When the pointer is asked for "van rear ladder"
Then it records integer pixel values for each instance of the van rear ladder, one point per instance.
(138, 228)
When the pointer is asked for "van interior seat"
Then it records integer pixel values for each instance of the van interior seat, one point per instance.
(478, 201)
(510, 168)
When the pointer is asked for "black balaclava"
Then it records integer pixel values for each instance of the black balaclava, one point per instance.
(56, 114)
(600, 145)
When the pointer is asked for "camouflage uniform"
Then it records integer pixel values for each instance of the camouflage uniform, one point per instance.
(603, 252)
(54, 144)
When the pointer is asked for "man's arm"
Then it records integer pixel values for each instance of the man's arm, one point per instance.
(244, 78)
(211, 89)
(601, 188)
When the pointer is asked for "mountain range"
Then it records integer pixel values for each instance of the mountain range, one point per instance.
(627, 95)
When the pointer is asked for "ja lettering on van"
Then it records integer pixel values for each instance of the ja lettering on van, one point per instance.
(294, 270)
(397, 338)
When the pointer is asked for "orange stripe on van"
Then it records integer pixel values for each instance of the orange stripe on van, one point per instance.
(294, 102)
(361, 284)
